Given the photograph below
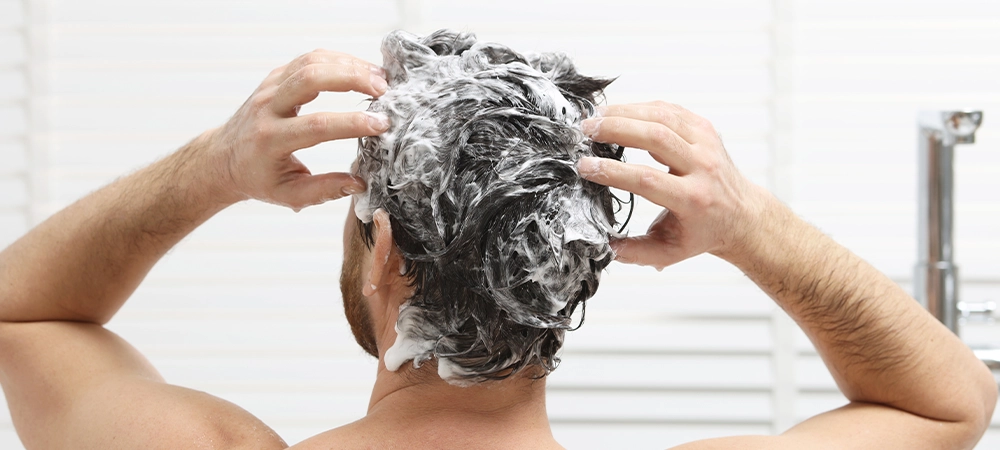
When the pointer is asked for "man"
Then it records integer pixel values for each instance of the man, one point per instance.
(72, 384)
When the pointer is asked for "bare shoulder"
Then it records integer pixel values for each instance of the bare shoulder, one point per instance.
(157, 415)
(77, 385)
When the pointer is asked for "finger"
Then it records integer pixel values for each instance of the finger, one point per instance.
(308, 190)
(650, 113)
(321, 56)
(659, 140)
(685, 114)
(305, 85)
(647, 251)
(311, 129)
(654, 185)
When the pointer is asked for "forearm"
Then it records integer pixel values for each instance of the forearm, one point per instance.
(879, 344)
(84, 262)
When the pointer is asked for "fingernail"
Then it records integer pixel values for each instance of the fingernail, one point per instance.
(378, 121)
(588, 166)
(377, 71)
(379, 84)
(590, 126)
(600, 111)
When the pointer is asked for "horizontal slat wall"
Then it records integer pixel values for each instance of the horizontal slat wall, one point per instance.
(15, 192)
(248, 306)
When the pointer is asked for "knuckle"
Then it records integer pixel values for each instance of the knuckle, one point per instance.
(663, 116)
(308, 75)
(712, 165)
(648, 179)
(264, 133)
(260, 100)
(359, 121)
(318, 124)
(313, 57)
(660, 134)
(662, 104)
(700, 200)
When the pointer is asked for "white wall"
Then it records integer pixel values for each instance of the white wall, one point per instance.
(815, 100)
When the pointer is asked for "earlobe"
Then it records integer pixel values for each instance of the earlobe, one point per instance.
(381, 252)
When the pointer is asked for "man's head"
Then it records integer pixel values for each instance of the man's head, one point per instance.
(499, 237)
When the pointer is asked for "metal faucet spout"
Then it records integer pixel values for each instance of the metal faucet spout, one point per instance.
(936, 277)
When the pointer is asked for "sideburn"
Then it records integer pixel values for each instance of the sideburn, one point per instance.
(355, 303)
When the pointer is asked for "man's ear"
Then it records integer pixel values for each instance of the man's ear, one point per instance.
(381, 252)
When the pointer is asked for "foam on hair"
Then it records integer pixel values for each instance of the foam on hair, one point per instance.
(501, 237)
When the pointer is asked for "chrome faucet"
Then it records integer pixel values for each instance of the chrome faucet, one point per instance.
(935, 282)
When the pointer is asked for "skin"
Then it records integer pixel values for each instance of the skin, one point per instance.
(70, 383)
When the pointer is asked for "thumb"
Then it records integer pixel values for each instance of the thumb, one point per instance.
(647, 250)
(316, 189)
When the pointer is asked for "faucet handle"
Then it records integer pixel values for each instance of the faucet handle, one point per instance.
(977, 311)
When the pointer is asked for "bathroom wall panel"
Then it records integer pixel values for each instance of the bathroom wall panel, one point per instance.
(245, 264)
(604, 333)
(11, 13)
(13, 192)
(663, 372)
(215, 13)
(595, 16)
(811, 403)
(181, 46)
(244, 333)
(913, 13)
(8, 437)
(307, 370)
(168, 84)
(214, 297)
(13, 224)
(889, 77)
(13, 155)
(12, 48)
(991, 439)
(12, 85)
(13, 120)
(98, 117)
(811, 374)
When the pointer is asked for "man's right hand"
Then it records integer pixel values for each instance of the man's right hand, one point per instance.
(252, 152)
(710, 205)
(911, 382)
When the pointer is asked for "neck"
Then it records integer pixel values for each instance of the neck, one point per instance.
(511, 410)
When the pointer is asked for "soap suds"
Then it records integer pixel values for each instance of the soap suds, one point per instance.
(501, 236)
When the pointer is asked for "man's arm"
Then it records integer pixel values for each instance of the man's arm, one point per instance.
(911, 382)
(72, 384)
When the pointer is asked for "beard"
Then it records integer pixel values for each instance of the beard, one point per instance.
(355, 303)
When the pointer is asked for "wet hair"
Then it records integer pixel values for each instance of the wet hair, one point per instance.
(502, 239)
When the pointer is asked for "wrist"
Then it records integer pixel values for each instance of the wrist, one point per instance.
(189, 181)
(201, 169)
(768, 229)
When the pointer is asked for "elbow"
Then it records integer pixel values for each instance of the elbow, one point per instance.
(984, 403)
